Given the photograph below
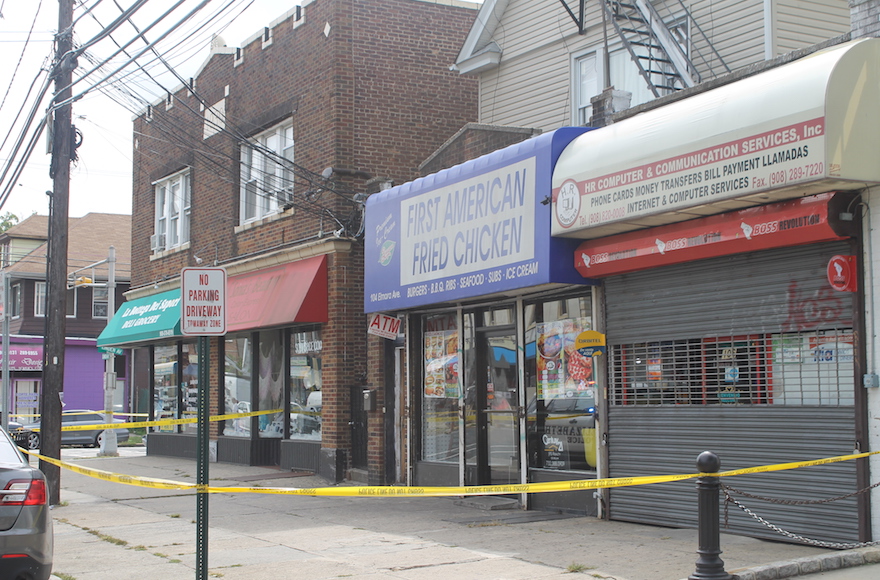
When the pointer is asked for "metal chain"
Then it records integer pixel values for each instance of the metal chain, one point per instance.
(798, 501)
(777, 529)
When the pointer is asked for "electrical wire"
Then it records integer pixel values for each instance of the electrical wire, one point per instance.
(132, 60)
(301, 177)
(21, 56)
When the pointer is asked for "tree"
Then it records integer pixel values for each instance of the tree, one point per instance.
(7, 220)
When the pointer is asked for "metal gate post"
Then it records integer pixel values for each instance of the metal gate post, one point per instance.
(709, 564)
(202, 459)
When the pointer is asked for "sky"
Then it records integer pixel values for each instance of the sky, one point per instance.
(101, 178)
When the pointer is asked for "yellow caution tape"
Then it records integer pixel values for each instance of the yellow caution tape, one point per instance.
(794, 465)
(159, 422)
(450, 491)
(115, 477)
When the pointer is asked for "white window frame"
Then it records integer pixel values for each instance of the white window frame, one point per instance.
(619, 59)
(39, 299)
(98, 301)
(40, 289)
(266, 183)
(15, 300)
(581, 87)
(173, 201)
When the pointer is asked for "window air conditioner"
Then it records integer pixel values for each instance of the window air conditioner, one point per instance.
(157, 242)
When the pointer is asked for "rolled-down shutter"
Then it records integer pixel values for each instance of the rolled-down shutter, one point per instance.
(777, 291)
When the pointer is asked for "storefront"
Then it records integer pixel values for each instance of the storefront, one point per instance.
(269, 360)
(497, 392)
(83, 370)
(726, 231)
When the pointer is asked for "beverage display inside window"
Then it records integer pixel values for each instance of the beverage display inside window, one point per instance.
(798, 368)
(237, 384)
(440, 388)
(270, 383)
(560, 386)
(165, 383)
(305, 385)
(190, 386)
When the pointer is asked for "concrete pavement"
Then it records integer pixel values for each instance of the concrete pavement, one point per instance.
(108, 531)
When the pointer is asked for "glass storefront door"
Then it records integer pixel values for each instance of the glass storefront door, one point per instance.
(491, 398)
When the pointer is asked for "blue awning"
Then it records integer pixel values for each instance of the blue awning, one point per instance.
(478, 228)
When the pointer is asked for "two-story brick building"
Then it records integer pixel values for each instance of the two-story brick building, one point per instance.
(261, 164)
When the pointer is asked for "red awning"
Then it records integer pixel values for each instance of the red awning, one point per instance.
(803, 221)
(294, 292)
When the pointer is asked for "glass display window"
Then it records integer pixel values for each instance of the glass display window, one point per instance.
(238, 357)
(561, 385)
(270, 382)
(306, 405)
(189, 386)
(440, 388)
(166, 402)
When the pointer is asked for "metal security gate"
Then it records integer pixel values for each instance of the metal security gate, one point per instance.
(358, 425)
(749, 356)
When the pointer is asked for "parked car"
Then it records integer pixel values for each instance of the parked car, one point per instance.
(19, 433)
(26, 536)
(87, 437)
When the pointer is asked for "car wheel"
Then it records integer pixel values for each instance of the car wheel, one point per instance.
(33, 441)
(99, 438)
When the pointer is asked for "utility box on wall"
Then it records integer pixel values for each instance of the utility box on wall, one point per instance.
(369, 399)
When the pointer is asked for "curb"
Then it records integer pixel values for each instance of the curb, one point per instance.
(809, 565)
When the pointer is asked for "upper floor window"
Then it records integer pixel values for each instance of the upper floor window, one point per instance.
(15, 300)
(173, 207)
(588, 78)
(40, 300)
(267, 172)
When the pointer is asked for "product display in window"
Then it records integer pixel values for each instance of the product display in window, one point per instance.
(305, 386)
(238, 385)
(562, 370)
(441, 364)
(165, 403)
(271, 383)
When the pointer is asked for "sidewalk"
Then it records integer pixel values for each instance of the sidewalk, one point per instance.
(107, 531)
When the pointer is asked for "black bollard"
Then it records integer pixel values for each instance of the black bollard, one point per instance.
(710, 566)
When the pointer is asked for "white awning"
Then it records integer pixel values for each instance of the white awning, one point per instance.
(799, 129)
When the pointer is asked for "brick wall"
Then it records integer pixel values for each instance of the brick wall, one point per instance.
(375, 95)
(472, 141)
(864, 18)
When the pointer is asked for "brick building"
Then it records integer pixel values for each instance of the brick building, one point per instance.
(260, 164)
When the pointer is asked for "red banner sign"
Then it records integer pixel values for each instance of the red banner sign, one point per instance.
(776, 225)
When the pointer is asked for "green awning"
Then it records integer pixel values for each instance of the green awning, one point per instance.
(144, 319)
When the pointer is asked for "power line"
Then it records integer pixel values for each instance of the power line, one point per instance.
(21, 56)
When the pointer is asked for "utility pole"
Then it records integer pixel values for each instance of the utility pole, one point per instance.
(56, 271)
